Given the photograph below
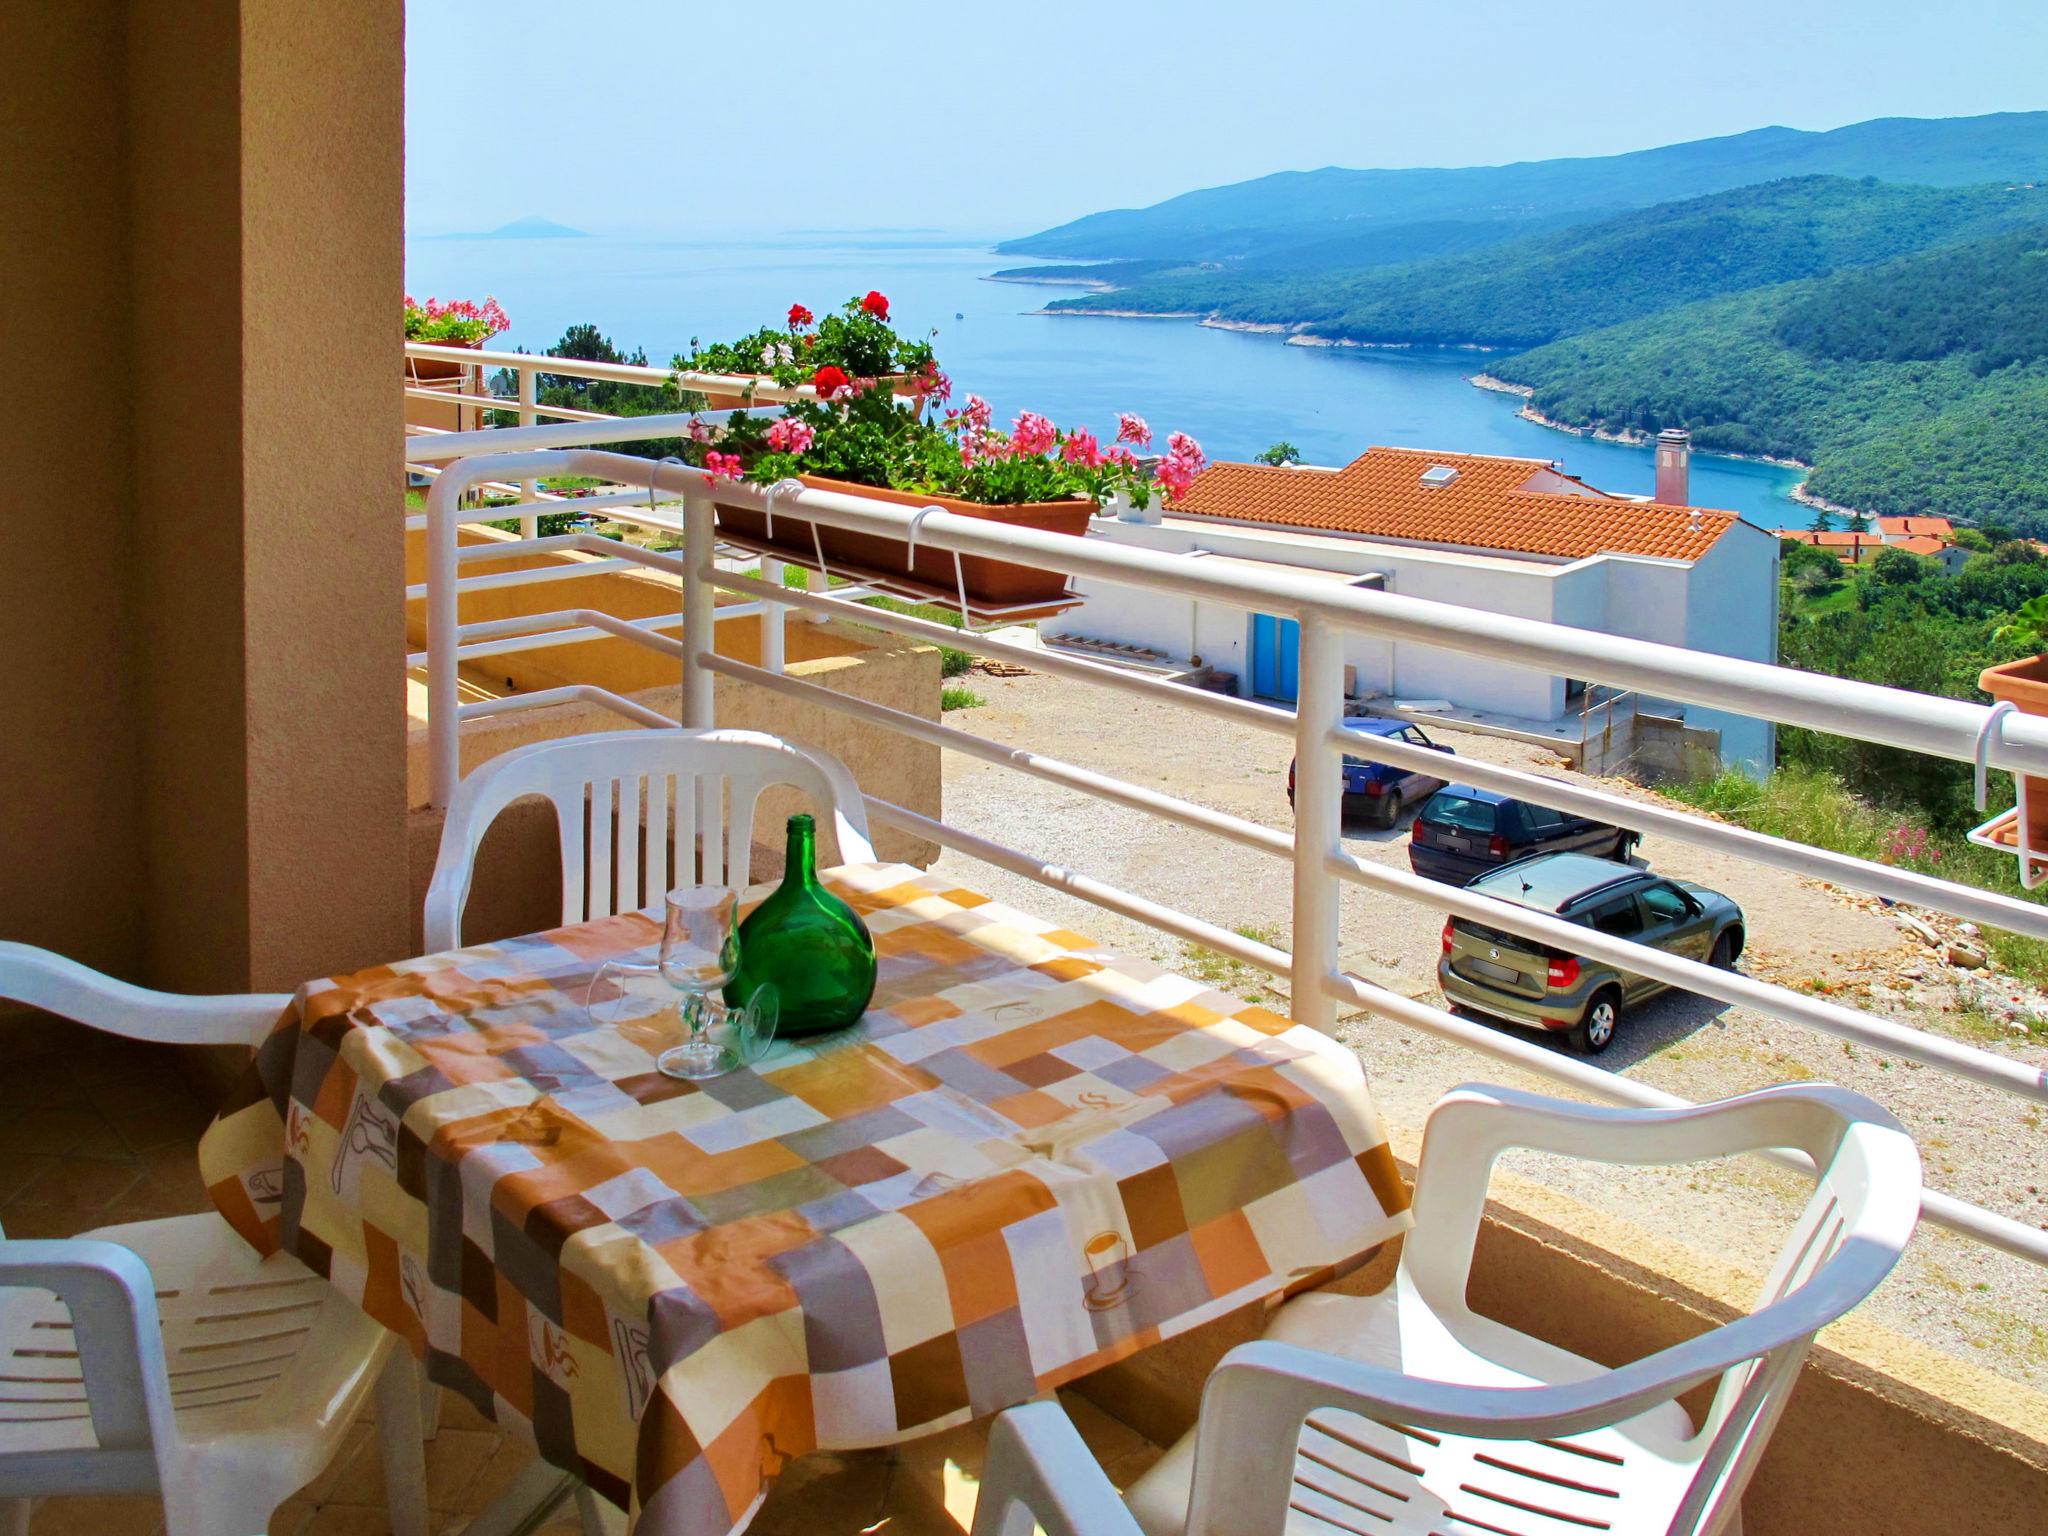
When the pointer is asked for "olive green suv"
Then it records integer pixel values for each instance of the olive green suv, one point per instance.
(1490, 971)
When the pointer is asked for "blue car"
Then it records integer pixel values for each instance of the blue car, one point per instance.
(1464, 832)
(1380, 790)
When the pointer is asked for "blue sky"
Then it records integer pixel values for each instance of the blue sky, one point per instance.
(687, 119)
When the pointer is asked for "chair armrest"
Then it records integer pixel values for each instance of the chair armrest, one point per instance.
(1039, 1470)
(73, 991)
(112, 1301)
(1259, 1384)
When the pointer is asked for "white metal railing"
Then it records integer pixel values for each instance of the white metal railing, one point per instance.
(1318, 859)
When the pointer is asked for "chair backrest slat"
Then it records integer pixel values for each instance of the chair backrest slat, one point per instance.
(635, 812)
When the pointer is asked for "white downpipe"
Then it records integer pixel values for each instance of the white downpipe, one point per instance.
(700, 541)
(529, 416)
(1318, 818)
(774, 623)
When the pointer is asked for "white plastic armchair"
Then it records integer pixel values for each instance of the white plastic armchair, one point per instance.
(1406, 1412)
(633, 809)
(165, 1356)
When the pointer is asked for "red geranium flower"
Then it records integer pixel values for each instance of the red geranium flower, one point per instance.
(875, 305)
(799, 317)
(829, 380)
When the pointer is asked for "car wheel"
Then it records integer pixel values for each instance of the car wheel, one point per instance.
(1595, 1032)
(1393, 809)
(1725, 950)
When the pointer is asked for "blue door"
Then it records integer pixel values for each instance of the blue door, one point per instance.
(1276, 657)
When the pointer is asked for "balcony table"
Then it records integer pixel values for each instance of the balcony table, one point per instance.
(1028, 1160)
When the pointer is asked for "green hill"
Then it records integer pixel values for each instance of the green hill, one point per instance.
(1262, 218)
(1538, 288)
(1917, 386)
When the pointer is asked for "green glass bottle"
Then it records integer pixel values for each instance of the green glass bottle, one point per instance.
(811, 945)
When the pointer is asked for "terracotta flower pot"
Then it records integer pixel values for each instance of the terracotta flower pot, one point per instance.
(990, 583)
(2024, 683)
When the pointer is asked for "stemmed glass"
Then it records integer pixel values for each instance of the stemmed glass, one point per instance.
(700, 951)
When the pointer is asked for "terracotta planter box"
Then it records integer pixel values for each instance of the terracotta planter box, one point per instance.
(990, 583)
(435, 370)
(2024, 683)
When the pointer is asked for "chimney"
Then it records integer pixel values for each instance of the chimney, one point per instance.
(1674, 456)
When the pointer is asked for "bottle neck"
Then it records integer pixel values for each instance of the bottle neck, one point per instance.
(800, 855)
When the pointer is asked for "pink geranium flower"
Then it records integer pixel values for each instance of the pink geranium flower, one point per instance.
(721, 466)
(788, 435)
(1031, 433)
(1132, 429)
(1081, 448)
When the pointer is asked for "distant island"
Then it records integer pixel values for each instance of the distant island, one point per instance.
(530, 228)
(1871, 302)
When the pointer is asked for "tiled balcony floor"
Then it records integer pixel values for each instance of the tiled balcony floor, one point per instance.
(96, 1130)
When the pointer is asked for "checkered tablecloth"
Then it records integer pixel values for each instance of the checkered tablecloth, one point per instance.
(1028, 1160)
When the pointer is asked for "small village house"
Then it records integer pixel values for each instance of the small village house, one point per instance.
(1512, 536)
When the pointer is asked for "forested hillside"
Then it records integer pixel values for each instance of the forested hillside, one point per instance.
(1260, 218)
(1920, 385)
(1536, 289)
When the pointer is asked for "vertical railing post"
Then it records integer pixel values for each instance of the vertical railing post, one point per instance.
(1318, 819)
(700, 542)
(529, 415)
(774, 632)
(444, 705)
(817, 581)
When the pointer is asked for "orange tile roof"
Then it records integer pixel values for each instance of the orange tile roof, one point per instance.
(1491, 505)
(1929, 527)
(1922, 545)
(1832, 539)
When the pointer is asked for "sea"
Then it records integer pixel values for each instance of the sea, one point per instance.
(1234, 392)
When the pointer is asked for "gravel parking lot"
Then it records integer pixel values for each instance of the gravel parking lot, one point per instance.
(1955, 1295)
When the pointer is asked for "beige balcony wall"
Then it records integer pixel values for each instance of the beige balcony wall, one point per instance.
(204, 777)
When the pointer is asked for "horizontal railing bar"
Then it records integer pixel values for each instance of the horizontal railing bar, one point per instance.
(546, 573)
(1728, 986)
(1052, 769)
(1887, 880)
(1944, 1210)
(760, 387)
(540, 631)
(1242, 711)
(501, 403)
(1059, 878)
(571, 693)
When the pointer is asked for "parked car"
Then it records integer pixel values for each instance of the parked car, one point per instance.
(1381, 790)
(1508, 977)
(1462, 832)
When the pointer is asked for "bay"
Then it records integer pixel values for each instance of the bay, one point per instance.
(1234, 392)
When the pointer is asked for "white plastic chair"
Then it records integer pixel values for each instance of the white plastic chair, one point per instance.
(632, 808)
(165, 1356)
(1408, 1413)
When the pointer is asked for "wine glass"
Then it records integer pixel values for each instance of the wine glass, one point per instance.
(700, 950)
(698, 955)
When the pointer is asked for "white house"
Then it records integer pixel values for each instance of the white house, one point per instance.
(1514, 536)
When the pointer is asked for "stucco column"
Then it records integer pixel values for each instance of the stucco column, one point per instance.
(202, 782)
